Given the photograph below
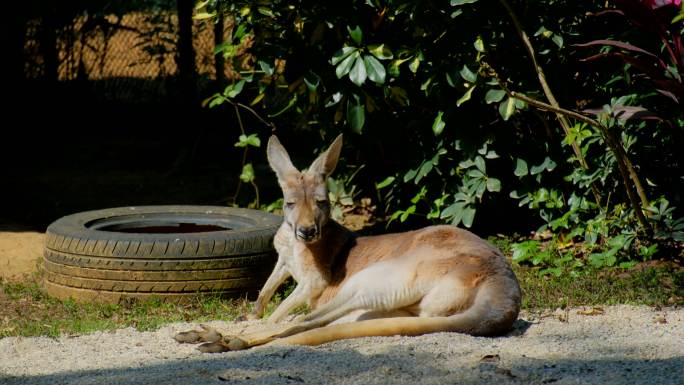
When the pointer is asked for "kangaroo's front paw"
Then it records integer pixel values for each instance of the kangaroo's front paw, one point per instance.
(207, 334)
(237, 343)
(214, 347)
(223, 345)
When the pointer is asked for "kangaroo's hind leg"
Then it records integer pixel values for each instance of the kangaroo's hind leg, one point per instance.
(367, 291)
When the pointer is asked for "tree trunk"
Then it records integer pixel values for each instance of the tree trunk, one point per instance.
(186, 53)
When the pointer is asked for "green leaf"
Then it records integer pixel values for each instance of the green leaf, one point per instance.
(345, 66)
(468, 216)
(597, 260)
(289, 105)
(558, 39)
(465, 96)
(358, 73)
(356, 34)
(547, 165)
(452, 77)
(385, 182)
(493, 185)
(201, 4)
(536, 169)
(334, 99)
(468, 75)
(204, 15)
(481, 187)
(507, 108)
(678, 17)
(217, 100)
(234, 89)
(247, 174)
(475, 174)
(267, 68)
(342, 54)
(520, 168)
(394, 66)
(380, 51)
(627, 264)
(494, 96)
(356, 114)
(266, 11)
(491, 154)
(251, 140)
(413, 65)
(409, 211)
(424, 170)
(312, 81)
(410, 174)
(524, 251)
(544, 32)
(456, 13)
(479, 44)
(438, 124)
(452, 210)
(374, 69)
(480, 164)
(240, 32)
(519, 104)
(461, 2)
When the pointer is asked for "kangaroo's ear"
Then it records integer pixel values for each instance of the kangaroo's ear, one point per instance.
(279, 159)
(326, 162)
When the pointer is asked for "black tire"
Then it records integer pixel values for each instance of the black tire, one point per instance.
(159, 251)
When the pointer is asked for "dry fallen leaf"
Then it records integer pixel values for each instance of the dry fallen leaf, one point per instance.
(490, 358)
(591, 311)
(660, 319)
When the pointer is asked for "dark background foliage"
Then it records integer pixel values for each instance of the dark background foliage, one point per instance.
(111, 103)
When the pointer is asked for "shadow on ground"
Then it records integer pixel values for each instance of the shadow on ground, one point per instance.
(399, 365)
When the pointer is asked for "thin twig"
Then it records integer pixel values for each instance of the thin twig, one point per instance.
(256, 191)
(244, 154)
(250, 109)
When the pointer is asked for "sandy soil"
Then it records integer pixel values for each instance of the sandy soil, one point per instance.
(20, 251)
(626, 345)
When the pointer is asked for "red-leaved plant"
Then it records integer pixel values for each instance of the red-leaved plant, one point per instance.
(661, 18)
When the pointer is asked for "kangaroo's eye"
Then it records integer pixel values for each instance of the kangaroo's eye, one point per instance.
(322, 203)
(289, 205)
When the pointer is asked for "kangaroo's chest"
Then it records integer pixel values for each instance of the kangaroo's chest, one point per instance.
(302, 262)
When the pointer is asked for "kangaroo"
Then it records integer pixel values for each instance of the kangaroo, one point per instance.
(435, 279)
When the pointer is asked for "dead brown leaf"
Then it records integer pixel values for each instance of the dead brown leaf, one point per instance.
(490, 358)
(591, 311)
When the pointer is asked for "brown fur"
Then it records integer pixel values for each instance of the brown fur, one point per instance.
(442, 278)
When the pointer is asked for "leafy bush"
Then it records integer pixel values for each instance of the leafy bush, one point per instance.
(460, 116)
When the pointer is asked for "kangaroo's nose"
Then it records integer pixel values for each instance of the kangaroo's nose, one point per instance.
(307, 233)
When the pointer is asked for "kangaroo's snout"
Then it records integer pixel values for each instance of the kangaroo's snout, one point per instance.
(307, 234)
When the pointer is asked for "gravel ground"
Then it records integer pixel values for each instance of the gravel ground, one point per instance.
(625, 345)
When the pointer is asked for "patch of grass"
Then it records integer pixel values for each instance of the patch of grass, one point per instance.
(653, 283)
(28, 311)
(653, 286)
